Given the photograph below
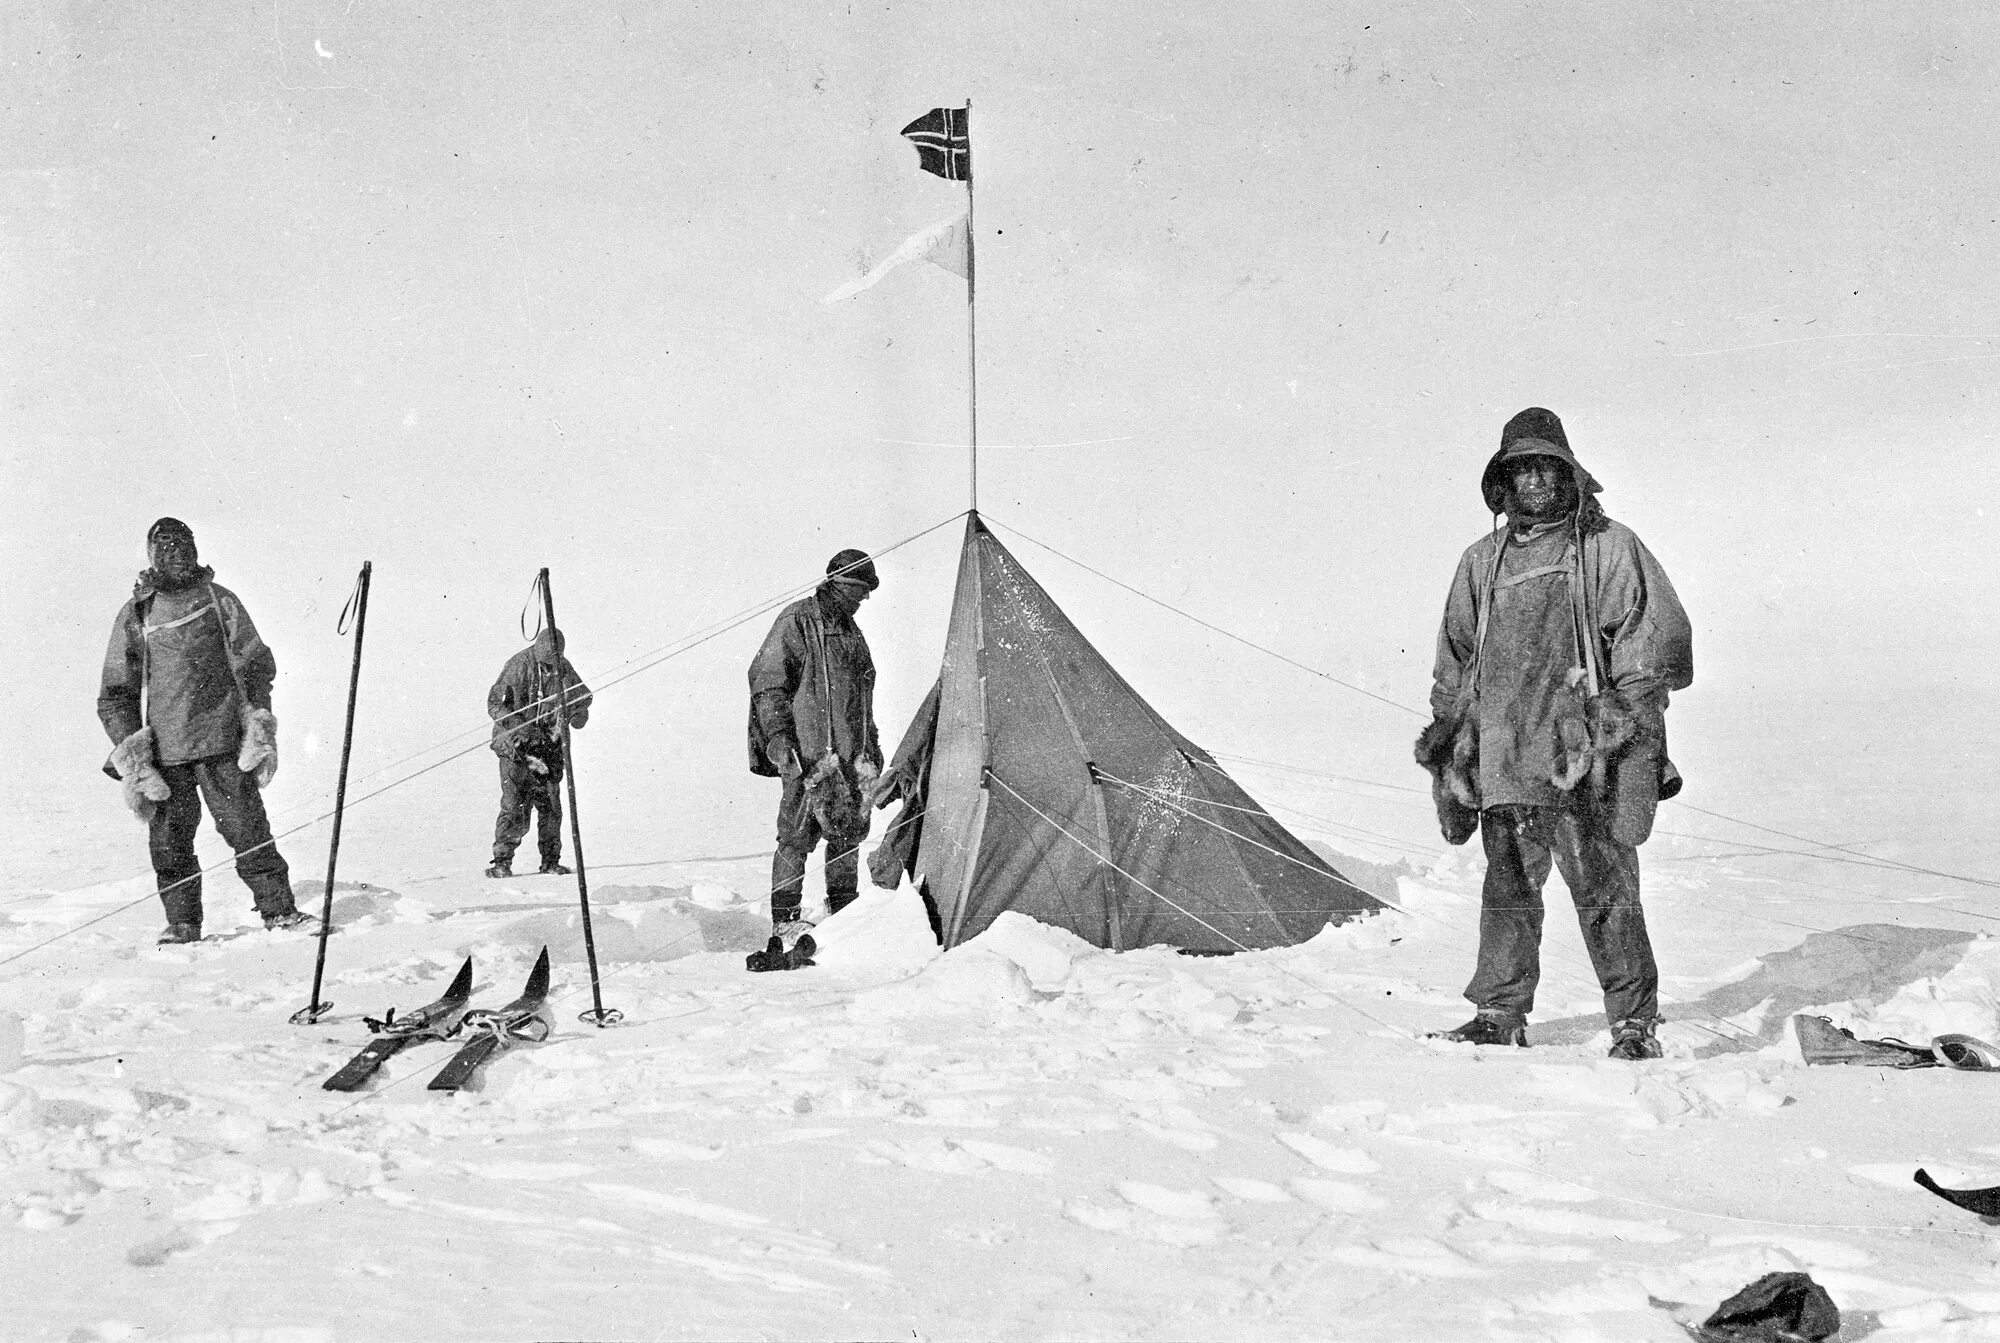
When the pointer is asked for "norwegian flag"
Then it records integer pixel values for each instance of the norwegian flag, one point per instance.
(944, 143)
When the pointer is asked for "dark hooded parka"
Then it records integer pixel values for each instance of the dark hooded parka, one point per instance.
(1533, 620)
(812, 723)
(525, 696)
(1561, 642)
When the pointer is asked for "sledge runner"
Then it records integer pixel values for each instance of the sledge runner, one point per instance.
(812, 724)
(522, 704)
(1560, 642)
(186, 700)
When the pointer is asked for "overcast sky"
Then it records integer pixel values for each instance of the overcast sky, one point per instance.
(467, 289)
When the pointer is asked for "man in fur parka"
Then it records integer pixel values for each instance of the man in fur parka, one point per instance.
(812, 723)
(186, 699)
(1561, 641)
(534, 685)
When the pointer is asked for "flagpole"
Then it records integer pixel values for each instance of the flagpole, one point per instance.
(971, 308)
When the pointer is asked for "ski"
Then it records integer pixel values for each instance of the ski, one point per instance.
(1985, 1202)
(497, 1028)
(433, 1021)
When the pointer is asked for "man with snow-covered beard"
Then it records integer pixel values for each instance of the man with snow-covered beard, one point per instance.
(534, 685)
(1561, 641)
(812, 723)
(186, 699)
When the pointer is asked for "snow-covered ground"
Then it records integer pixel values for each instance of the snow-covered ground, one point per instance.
(1025, 1138)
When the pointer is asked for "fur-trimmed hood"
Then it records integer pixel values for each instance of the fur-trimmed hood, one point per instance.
(148, 582)
(1534, 432)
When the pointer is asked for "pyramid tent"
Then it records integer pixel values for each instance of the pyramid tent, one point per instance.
(1035, 779)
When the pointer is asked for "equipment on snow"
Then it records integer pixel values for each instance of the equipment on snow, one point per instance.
(433, 1021)
(496, 1028)
(1820, 1041)
(357, 604)
(1985, 1202)
(791, 948)
(599, 1014)
(298, 918)
(1048, 786)
(1967, 1052)
(1777, 1308)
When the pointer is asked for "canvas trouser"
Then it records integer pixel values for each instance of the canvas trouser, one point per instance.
(523, 791)
(798, 832)
(1603, 877)
(237, 809)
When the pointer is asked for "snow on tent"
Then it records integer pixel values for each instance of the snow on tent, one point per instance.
(1035, 779)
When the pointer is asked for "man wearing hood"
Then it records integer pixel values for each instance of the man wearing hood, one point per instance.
(1561, 641)
(186, 700)
(536, 684)
(812, 724)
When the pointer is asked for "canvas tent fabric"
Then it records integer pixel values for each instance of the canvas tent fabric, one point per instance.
(1035, 779)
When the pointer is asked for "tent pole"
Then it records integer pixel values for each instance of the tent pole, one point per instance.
(971, 309)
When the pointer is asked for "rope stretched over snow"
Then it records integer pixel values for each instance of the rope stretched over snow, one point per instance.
(1865, 860)
(1167, 801)
(665, 652)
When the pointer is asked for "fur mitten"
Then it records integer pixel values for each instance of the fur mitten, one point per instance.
(1449, 750)
(145, 786)
(867, 778)
(836, 803)
(259, 752)
(1586, 744)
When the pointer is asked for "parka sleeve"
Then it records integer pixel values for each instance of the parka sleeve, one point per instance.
(1647, 638)
(577, 695)
(774, 679)
(119, 688)
(500, 708)
(1458, 635)
(254, 660)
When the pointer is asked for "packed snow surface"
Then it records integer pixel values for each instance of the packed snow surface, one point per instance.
(1022, 1138)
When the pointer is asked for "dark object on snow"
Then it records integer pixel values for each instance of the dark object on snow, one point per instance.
(1967, 1052)
(774, 956)
(1820, 1041)
(489, 1030)
(433, 1021)
(1985, 1202)
(1777, 1308)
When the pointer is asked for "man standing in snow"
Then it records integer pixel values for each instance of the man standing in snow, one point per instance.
(812, 723)
(536, 684)
(1561, 640)
(186, 699)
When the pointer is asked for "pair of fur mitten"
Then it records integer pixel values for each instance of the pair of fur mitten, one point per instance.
(837, 804)
(1586, 744)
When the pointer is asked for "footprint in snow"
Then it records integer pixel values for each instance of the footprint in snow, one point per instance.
(1252, 1191)
(1561, 1222)
(1425, 1257)
(1188, 1203)
(1339, 1160)
(1336, 1195)
(1528, 1184)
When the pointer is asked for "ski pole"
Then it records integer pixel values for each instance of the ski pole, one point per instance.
(357, 605)
(599, 1014)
